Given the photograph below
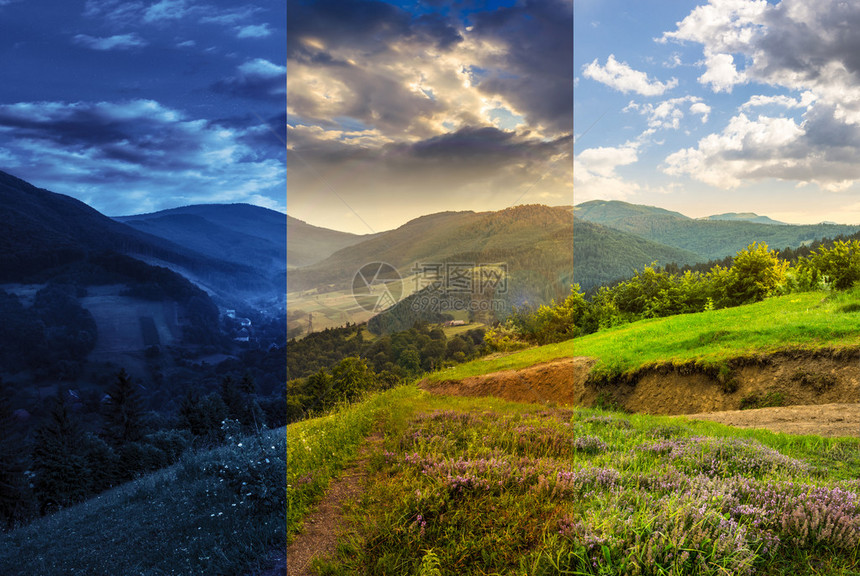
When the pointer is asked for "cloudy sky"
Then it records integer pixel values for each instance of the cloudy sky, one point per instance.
(397, 109)
(720, 106)
(135, 106)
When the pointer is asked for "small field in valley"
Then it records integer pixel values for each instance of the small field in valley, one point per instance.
(129, 324)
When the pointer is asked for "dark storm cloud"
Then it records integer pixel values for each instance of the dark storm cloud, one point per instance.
(475, 148)
(390, 107)
(133, 147)
(137, 131)
(538, 65)
(368, 27)
(474, 144)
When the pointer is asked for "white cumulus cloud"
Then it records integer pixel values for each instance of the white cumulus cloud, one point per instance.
(620, 76)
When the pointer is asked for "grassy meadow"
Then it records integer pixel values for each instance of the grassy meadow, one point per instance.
(483, 486)
(810, 320)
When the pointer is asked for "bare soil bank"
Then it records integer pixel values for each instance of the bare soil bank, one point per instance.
(801, 381)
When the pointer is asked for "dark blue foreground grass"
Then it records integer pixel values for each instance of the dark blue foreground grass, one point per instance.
(216, 512)
(483, 486)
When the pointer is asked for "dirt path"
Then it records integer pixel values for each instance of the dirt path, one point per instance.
(820, 391)
(322, 526)
(823, 420)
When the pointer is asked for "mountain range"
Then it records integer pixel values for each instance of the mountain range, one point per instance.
(236, 253)
(709, 239)
(532, 238)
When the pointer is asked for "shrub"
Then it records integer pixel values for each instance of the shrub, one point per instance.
(840, 264)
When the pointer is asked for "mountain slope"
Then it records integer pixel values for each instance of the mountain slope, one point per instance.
(602, 254)
(239, 233)
(528, 238)
(744, 217)
(708, 239)
(42, 231)
(308, 244)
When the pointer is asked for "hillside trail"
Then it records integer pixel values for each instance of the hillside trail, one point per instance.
(322, 526)
(819, 392)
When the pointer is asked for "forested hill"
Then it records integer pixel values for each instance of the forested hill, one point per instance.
(238, 233)
(533, 239)
(308, 244)
(602, 255)
(745, 217)
(708, 239)
(42, 231)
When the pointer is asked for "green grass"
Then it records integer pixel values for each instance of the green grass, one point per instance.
(215, 512)
(809, 321)
(485, 486)
(318, 448)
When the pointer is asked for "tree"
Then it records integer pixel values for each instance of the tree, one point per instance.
(352, 377)
(14, 493)
(61, 472)
(202, 417)
(123, 412)
(232, 397)
(410, 360)
(840, 264)
(319, 388)
(755, 274)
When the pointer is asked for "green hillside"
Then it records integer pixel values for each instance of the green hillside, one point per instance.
(807, 321)
(532, 240)
(708, 239)
(602, 254)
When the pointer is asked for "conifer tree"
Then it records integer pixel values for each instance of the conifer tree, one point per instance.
(123, 413)
(14, 495)
(61, 472)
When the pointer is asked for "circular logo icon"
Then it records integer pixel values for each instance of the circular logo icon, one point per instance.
(377, 286)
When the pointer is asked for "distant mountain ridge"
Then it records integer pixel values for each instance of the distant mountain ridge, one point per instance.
(41, 232)
(308, 244)
(709, 239)
(602, 255)
(519, 235)
(239, 233)
(745, 217)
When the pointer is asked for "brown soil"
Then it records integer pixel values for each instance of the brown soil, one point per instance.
(322, 526)
(824, 420)
(801, 381)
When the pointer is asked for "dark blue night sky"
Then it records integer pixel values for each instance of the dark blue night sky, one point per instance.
(138, 106)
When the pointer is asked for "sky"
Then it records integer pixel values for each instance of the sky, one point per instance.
(397, 109)
(142, 105)
(719, 106)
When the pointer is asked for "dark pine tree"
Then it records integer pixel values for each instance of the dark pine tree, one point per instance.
(232, 397)
(123, 412)
(61, 472)
(15, 497)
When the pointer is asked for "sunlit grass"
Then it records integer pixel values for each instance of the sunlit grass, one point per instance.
(810, 321)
